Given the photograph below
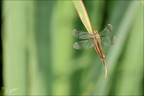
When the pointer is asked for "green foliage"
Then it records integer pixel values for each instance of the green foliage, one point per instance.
(38, 57)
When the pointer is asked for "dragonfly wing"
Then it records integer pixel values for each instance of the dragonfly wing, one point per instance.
(106, 36)
(80, 34)
(84, 44)
(113, 40)
(106, 31)
(109, 27)
(107, 41)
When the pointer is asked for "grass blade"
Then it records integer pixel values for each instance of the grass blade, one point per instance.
(83, 14)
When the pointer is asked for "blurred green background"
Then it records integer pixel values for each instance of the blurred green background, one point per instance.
(38, 57)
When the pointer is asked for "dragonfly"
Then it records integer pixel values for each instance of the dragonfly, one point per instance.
(95, 40)
(105, 36)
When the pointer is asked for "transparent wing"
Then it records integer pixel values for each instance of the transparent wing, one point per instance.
(80, 34)
(107, 41)
(106, 31)
(106, 36)
(85, 44)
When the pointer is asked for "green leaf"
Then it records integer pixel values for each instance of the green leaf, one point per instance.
(83, 14)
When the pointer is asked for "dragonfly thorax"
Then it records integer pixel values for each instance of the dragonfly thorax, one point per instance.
(95, 34)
